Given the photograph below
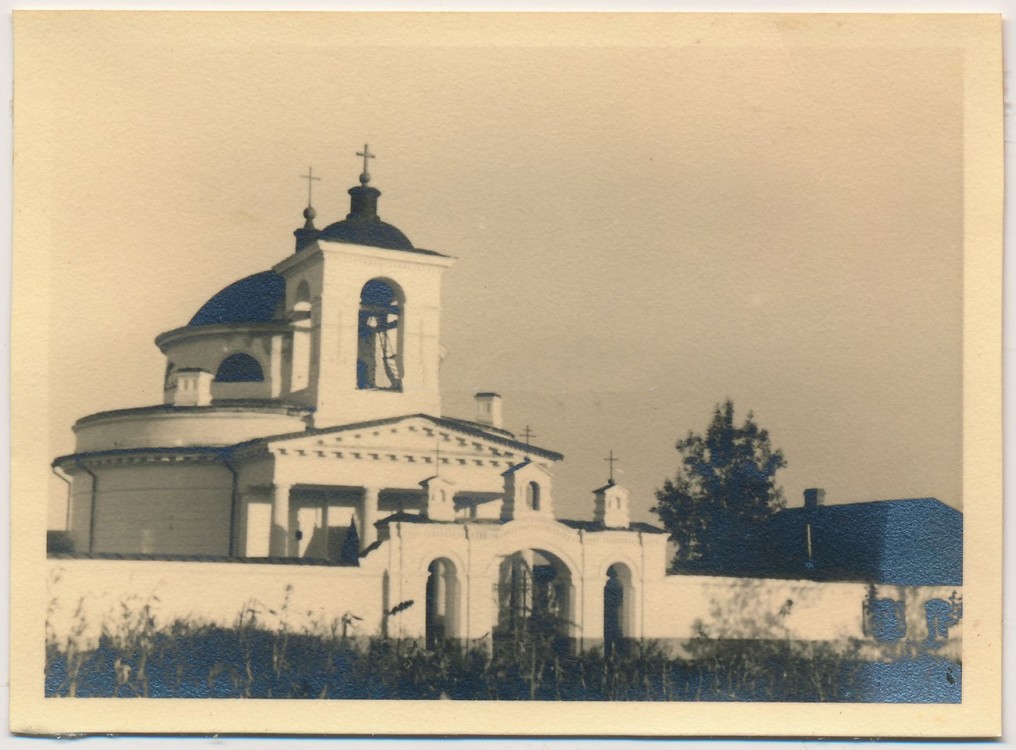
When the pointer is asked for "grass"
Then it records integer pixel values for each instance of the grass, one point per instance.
(136, 657)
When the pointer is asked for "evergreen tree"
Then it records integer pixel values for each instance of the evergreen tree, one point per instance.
(725, 487)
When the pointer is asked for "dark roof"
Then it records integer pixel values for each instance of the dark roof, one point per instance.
(403, 517)
(375, 233)
(362, 225)
(906, 542)
(258, 298)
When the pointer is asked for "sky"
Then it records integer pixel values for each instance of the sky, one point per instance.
(646, 224)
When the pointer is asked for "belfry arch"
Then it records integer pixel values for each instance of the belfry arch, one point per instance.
(380, 336)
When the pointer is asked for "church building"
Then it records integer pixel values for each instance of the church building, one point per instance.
(302, 423)
(301, 447)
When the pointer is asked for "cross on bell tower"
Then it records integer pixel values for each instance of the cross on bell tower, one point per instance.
(366, 154)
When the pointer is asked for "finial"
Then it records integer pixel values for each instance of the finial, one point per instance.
(366, 154)
(309, 213)
(611, 460)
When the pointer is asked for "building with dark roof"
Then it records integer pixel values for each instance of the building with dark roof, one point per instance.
(905, 542)
(302, 421)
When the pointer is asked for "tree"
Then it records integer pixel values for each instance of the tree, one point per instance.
(724, 489)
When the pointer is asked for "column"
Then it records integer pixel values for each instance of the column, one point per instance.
(280, 536)
(368, 516)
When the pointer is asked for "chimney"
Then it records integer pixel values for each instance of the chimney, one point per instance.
(193, 387)
(488, 409)
(813, 498)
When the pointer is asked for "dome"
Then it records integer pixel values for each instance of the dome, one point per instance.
(254, 299)
(365, 231)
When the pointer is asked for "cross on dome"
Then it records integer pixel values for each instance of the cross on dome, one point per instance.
(366, 154)
(311, 179)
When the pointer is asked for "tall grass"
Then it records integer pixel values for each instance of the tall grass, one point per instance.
(136, 657)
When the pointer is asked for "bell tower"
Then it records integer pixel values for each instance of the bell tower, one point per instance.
(365, 306)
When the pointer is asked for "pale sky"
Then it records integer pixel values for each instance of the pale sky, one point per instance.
(643, 227)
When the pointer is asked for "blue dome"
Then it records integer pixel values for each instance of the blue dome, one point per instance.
(359, 231)
(255, 299)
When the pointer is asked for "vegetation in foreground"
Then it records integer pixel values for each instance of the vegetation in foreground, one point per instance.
(191, 660)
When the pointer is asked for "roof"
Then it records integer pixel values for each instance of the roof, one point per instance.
(362, 225)
(904, 542)
(516, 467)
(375, 233)
(468, 428)
(267, 406)
(645, 528)
(258, 298)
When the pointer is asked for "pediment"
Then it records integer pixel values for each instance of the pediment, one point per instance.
(422, 438)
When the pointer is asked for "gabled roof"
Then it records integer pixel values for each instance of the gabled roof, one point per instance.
(904, 542)
(873, 507)
(466, 428)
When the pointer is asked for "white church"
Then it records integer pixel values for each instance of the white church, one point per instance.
(301, 452)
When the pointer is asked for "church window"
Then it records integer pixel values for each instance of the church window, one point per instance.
(239, 368)
(379, 352)
(301, 321)
(533, 495)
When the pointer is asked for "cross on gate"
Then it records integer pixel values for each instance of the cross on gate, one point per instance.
(611, 460)
(527, 434)
(311, 179)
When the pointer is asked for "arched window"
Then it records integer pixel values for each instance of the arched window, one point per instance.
(618, 608)
(441, 602)
(380, 334)
(239, 368)
(533, 495)
(300, 318)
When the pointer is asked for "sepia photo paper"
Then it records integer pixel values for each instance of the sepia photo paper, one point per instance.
(507, 374)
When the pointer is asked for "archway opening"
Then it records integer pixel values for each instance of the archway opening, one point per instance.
(442, 603)
(380, 334)
(534, 595)
(618, 605)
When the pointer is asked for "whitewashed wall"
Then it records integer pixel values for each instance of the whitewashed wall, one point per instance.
(86, 595)
(774, 608)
